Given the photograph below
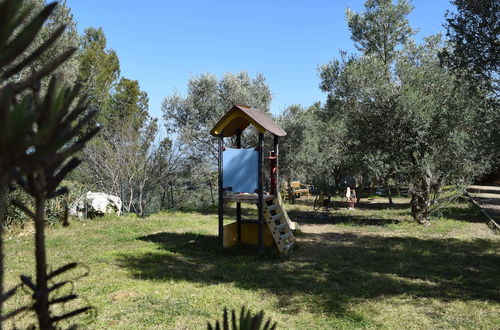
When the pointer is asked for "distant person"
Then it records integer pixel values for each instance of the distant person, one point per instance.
(350, 196)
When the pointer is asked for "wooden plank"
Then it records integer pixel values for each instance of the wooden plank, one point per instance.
(260, 200)
(291, 224)
(246, 198)
(221, 194)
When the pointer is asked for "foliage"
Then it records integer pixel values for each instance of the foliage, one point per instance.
(473, 32)
(69, 38)
(314, 149)
(41, 131)
(299, 145)
(99, 70)
(207, 100)
(128, 105)
(381, 28)
(190, 118)
(409, 118)
(247, 321)
(128, 163)
(55, 211)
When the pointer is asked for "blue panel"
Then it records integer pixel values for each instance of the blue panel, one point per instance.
(240, 170)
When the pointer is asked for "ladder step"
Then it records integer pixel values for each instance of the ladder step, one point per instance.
(281, 226)
(276, 217)
(288, 247)
(272, 207)
(286, 235)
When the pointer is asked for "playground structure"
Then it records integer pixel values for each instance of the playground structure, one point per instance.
(241, 180)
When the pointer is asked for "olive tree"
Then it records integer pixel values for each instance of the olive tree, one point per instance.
(407, 115)
(208, 98)
(315, 148)
(473, 32)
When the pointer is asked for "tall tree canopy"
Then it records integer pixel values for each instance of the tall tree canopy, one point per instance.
(99, 70)
(128, 105)
(474, 34)
(381, 28)
(69, 38)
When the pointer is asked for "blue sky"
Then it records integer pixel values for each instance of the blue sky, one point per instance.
(163, 43)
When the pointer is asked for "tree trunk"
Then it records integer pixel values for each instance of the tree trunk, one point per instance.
(421, 200)
(141, 204)
(211, 191)
(387, 189)
(3, 192)
(42, 292)
(172, 195)
(131, 198)
(162, 200)
(338, 177)
(359, 193)
(373, 184)
(291, 195)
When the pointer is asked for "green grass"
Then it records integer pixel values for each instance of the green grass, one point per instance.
(371, 267)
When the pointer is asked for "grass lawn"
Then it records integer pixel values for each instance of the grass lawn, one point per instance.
(371, 267)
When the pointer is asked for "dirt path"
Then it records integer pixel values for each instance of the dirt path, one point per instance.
(488, 198)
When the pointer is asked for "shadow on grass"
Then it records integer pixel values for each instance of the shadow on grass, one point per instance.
(366, 205)
(246, 210)
(484, 191)
(321, 218)
(471, 214)
(465, 211)
(331, 269)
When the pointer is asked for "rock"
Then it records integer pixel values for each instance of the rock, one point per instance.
(92, 204)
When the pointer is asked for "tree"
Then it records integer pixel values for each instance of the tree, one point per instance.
(381, 28)
(361, 104)
(207, 100)
(127, 159)
(69, 38)
(128, 163)
(379, 33)
(120, 159)
(415, 120)
(40, 134)
(474, 31)
(441, 124)
(192, 117)
(99, 70)
(314, 148)
(128, 104)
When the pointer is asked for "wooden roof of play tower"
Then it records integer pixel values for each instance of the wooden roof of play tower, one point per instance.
(240, 116)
